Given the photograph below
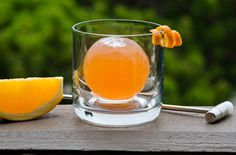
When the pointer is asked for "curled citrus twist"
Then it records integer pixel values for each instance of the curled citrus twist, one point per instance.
(165, 37)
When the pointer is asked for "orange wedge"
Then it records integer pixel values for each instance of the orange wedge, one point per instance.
(25, 99)
(166, 37)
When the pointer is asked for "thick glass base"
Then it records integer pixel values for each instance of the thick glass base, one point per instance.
(117, 117)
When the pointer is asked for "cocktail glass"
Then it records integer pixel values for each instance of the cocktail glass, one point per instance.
(117, 72)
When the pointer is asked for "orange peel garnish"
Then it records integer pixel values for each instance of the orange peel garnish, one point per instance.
(169, 39)
(178, 39)
(157, 39)
(165, 37)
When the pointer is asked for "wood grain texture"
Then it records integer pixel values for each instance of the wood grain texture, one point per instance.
(172, 131)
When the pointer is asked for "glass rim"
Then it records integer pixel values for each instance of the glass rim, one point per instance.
(110, 35)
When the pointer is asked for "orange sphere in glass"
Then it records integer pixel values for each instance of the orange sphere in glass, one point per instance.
(116, 68)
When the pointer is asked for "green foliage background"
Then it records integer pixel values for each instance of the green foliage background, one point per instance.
(35, 40)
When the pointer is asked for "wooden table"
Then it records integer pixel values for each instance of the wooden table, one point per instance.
(61, 131)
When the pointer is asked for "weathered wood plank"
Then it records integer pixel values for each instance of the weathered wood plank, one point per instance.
(62, 130)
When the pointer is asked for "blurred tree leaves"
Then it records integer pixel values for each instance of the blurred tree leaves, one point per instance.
(35, 40)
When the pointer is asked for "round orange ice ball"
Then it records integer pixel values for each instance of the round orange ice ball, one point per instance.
(116, 68)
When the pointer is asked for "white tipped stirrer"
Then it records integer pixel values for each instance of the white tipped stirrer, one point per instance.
(219, 111)
(211, 115)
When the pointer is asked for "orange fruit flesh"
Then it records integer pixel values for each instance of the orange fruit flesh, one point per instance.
(116, 68)
(24, 99)
(166, 37)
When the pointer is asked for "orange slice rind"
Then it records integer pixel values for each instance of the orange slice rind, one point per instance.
(165, 37)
